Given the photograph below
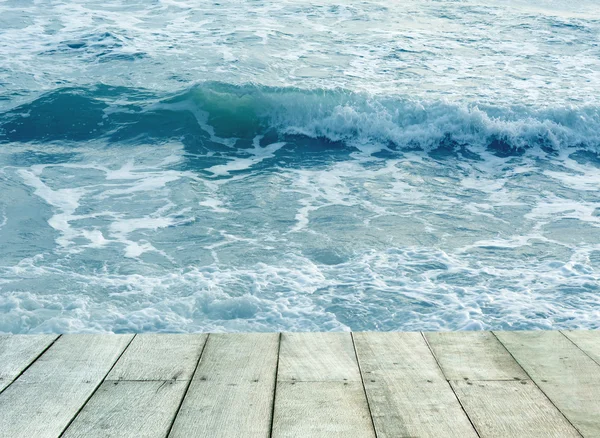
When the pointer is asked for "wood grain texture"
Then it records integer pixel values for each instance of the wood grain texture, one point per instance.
(507, 408)
(407, 392)
(321, 409)
(45, 398)
(319, 388)
(317, 357)
(566, 375)
(231, 394)
(473, 356)
(129, 409)
(587, 340)
(159, 357)
(17, 352)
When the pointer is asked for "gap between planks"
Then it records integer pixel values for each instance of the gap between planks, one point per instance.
(450, 385)
(187, 388)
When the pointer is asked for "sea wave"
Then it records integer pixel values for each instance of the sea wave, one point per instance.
(230, 115)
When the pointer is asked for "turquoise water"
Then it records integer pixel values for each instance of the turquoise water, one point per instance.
(262, 166)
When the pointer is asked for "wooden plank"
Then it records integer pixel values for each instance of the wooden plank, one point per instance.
(508, 408)
(139, 397)
(317, 357)
(231, 394)
(159, 357)
(17, 352)
(407, 392)
(473, 356)
(129, 409)
(319, 388)
(321, 409)
(45, 398)
(566, 375)
(587, 340)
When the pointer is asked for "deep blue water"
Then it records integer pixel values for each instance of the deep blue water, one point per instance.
(261, 166)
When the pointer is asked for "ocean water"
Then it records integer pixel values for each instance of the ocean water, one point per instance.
(179, 166)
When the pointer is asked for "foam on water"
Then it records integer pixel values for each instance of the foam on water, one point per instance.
(284, 166)
(502, 51)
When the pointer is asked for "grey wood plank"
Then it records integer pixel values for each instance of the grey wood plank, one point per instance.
(316, 357)
(321, 409)
(587, 340)
(17, 352)
(473, 356)
(508, 408)
(319, 388)
(159, 357)
(45, 398)
(407, 392)
(566, 375)
(129, 409)
(231, 394)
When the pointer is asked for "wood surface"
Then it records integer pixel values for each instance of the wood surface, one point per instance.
(502, 384)
(407, 392)
(508, 408)
(17, 352)
(319, 388)
(129, 409)
(44, 399)
(569, 377)
(159, 357)
(231, 394)
(473, 356)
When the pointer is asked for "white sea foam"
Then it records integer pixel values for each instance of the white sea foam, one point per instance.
(257, 154)
(214, 204)
(436, 50)
(293, 166)
(66, 202)
(364, 243)
(305, 297)
(4, 219)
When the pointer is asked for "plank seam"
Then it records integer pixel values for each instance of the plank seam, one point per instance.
(448, 382)
(320, 381)
(275, 386)
(187, 388)
(579, 348)
(490, 380)
(146, 380)
(96, 388)
(535, 383)
(362, 381)
(31, 363)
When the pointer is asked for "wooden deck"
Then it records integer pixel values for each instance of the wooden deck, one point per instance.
(460, 384)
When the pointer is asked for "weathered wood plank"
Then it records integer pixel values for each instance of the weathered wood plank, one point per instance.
(407, 392)
(317, 357)
(42, 401)
(139, 397)
(587, 340)
(17, 352)
(231, 394)
(159, 357)
(129, 409)
(511, 409)
(319, 388)
(473, 356)
(566, 375)
(321, 409)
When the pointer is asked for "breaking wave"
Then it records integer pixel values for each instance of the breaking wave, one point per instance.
(214, 113)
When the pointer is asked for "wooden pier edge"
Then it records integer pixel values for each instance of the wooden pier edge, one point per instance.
(342, 384)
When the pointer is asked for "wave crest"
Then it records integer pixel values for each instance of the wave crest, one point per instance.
(224, 113)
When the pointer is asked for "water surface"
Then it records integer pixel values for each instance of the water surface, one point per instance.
(263, 166)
